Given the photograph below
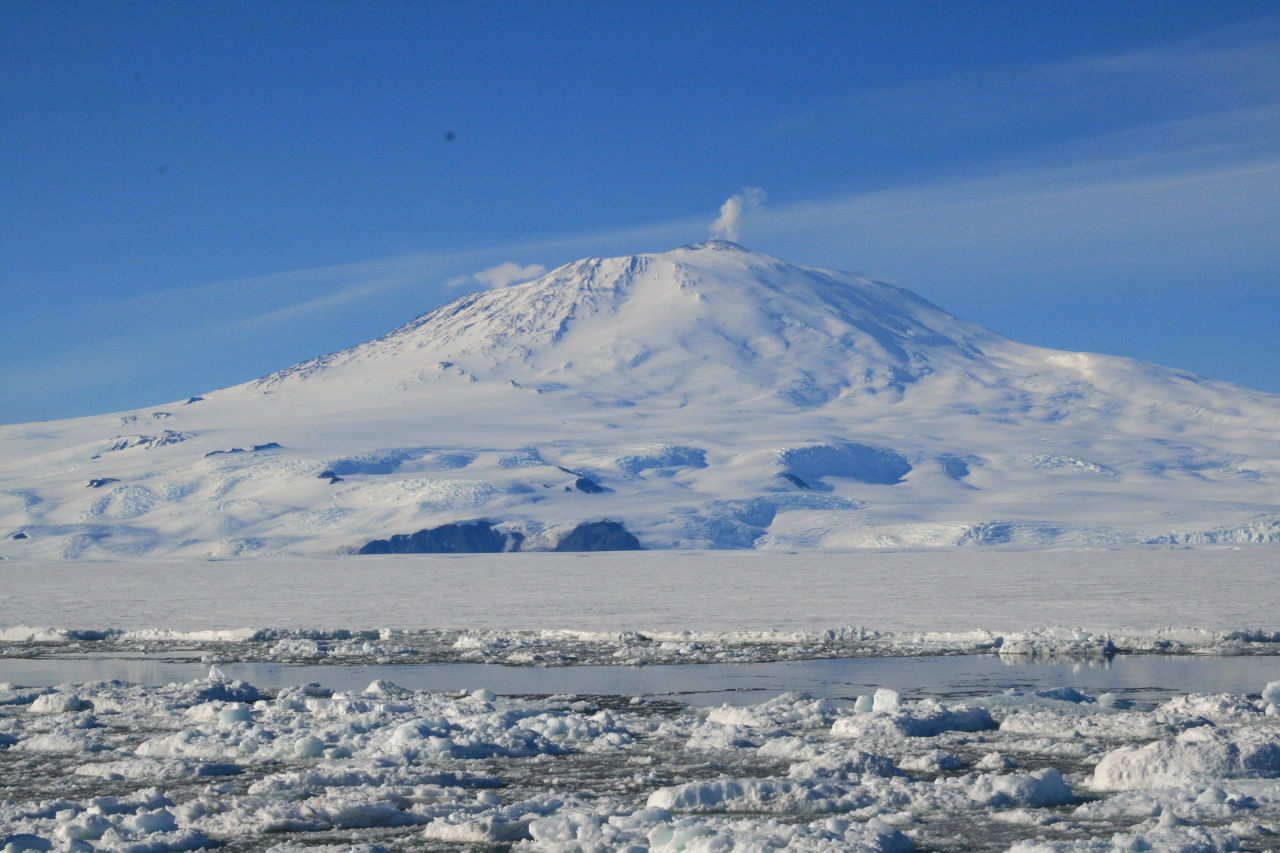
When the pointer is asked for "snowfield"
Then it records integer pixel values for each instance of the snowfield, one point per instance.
(704, 398)
(649, 607)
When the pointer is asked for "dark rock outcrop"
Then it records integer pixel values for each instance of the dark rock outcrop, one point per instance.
(124, 442)
(599, 536)
(271, 445)
(794, 480)
(99, 482)
(584, 483)
(19, 535)
(590, 486)
(468, 537)
(331, 477)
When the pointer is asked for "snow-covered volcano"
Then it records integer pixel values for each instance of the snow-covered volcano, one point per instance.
(705, 397)
(710, 323)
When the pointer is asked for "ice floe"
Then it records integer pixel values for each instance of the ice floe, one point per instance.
(114, 766)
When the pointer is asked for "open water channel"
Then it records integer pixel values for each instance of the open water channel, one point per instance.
(1146, 678)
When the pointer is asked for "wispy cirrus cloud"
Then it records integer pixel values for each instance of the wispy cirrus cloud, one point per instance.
(1167, 193)
(1193, 164)
(1167, 189)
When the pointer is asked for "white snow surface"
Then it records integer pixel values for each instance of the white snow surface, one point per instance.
(637, 591)
(722, 398)
(647, 607)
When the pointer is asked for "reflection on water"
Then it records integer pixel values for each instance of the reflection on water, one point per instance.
(1147, 677)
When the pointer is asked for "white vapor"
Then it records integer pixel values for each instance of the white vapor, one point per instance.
(498, 276)
(728, 226)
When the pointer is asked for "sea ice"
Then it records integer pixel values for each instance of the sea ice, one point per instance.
(111, 766)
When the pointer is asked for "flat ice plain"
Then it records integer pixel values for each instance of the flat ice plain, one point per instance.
(955, 590)
(557, 608)
(121, 767)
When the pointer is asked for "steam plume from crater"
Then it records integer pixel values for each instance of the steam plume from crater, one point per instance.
(728, 225)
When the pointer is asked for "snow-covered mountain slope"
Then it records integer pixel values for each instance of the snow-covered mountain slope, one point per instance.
(705, 397)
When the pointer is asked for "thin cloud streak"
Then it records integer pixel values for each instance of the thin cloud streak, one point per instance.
(379, 283)
(1033, 106)
(1042, 184)
(428, 269)
(1186, 148)
(1240, 55)
(1208, 156)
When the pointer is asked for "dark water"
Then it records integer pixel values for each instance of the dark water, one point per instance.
(1147, 677)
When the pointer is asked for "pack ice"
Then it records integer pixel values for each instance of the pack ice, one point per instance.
(706, 397)
(111, 766)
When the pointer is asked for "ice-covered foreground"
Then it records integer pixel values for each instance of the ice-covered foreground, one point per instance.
(114, 766)
(707, 397)
(650, 607)
(117, 767)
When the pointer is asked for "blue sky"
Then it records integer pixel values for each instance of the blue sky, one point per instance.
(197, 193)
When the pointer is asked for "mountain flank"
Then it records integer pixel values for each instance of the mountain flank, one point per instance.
(706, 397)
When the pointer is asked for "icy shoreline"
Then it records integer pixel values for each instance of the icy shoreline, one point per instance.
(570, 648)
(649, 607)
